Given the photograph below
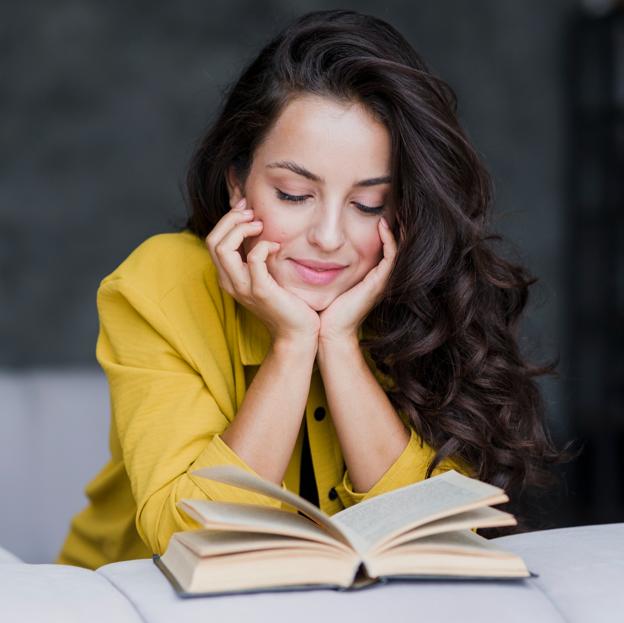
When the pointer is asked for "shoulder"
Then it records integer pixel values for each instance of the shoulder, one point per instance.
(163, 304)
(163, 263)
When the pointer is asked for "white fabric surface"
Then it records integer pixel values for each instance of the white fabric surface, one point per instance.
(6, 556)
(581, 569)
(59, 594)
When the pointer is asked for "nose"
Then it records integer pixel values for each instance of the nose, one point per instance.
(327, 229)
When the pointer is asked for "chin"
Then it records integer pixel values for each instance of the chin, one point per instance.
(318, 301)
(319, 306)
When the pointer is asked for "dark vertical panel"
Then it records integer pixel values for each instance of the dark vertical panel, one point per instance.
(594, 260)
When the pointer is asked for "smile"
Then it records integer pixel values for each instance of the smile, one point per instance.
(314, 276)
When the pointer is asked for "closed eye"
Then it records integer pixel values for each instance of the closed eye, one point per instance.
(287, 197)
(299, 198)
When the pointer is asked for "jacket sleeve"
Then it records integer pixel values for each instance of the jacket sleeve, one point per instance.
(164, 414)
(409, 467)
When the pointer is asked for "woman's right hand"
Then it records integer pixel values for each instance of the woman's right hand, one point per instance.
(287, 317)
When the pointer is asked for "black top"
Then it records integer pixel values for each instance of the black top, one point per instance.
(307, 486)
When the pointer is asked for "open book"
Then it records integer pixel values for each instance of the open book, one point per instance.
(419, 531)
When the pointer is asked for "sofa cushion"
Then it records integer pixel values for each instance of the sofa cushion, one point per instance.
(60, 593)
(474, 600)
(581, 569)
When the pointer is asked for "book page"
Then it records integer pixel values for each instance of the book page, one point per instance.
(383, 517)
(206, 543)
(256, 570)
(483, 517)
(451, 553)
(254, 518)
(458, 541)
(238, 477)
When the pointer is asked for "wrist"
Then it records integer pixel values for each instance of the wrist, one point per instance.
(295, 346)
(347, 345)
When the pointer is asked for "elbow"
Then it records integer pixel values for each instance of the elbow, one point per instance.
(158, 518)
(148, 523)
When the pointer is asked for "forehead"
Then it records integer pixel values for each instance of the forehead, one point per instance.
(329, 137)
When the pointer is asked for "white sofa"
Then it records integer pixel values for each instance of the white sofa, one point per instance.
(54, 432)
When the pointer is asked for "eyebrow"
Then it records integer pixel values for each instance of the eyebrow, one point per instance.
(299, 170)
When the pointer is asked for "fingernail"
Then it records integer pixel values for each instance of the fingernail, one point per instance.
(241, 204)
(384, 222)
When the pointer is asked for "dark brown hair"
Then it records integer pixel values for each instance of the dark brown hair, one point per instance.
(446, 331)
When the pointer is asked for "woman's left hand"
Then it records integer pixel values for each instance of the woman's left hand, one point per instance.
(342, 318)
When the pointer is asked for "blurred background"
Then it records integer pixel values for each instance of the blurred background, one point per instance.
(100, 107)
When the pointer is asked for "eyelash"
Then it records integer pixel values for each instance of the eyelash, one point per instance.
(299, 198)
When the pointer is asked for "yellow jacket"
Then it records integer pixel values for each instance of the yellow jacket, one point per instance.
(179, 353)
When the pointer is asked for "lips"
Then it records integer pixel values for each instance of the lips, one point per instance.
(316, 265)
(316, 276)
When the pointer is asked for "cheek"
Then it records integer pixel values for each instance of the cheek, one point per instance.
(370, 249)
(274, 229)
(274, 221)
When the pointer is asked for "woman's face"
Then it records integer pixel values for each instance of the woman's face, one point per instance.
(320, 183)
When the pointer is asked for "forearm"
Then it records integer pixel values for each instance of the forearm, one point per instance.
(265, 429)
(371, 434)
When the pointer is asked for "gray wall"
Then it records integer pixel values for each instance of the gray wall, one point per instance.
(101, 103)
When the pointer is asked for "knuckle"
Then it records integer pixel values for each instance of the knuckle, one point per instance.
(220, 250)
(259, 292)
(242, 286)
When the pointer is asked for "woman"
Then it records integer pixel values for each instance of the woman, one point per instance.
(331, 318)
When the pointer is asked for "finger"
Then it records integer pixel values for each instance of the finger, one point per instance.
(376, 278)
(214, 238)
(262, 284)
(224, 279)
(230, 257)
(388, 241)
(225, 224)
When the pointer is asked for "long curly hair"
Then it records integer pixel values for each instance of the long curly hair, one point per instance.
(446, 331)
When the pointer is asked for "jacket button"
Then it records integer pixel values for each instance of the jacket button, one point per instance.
(319, 414)
(332, 494)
